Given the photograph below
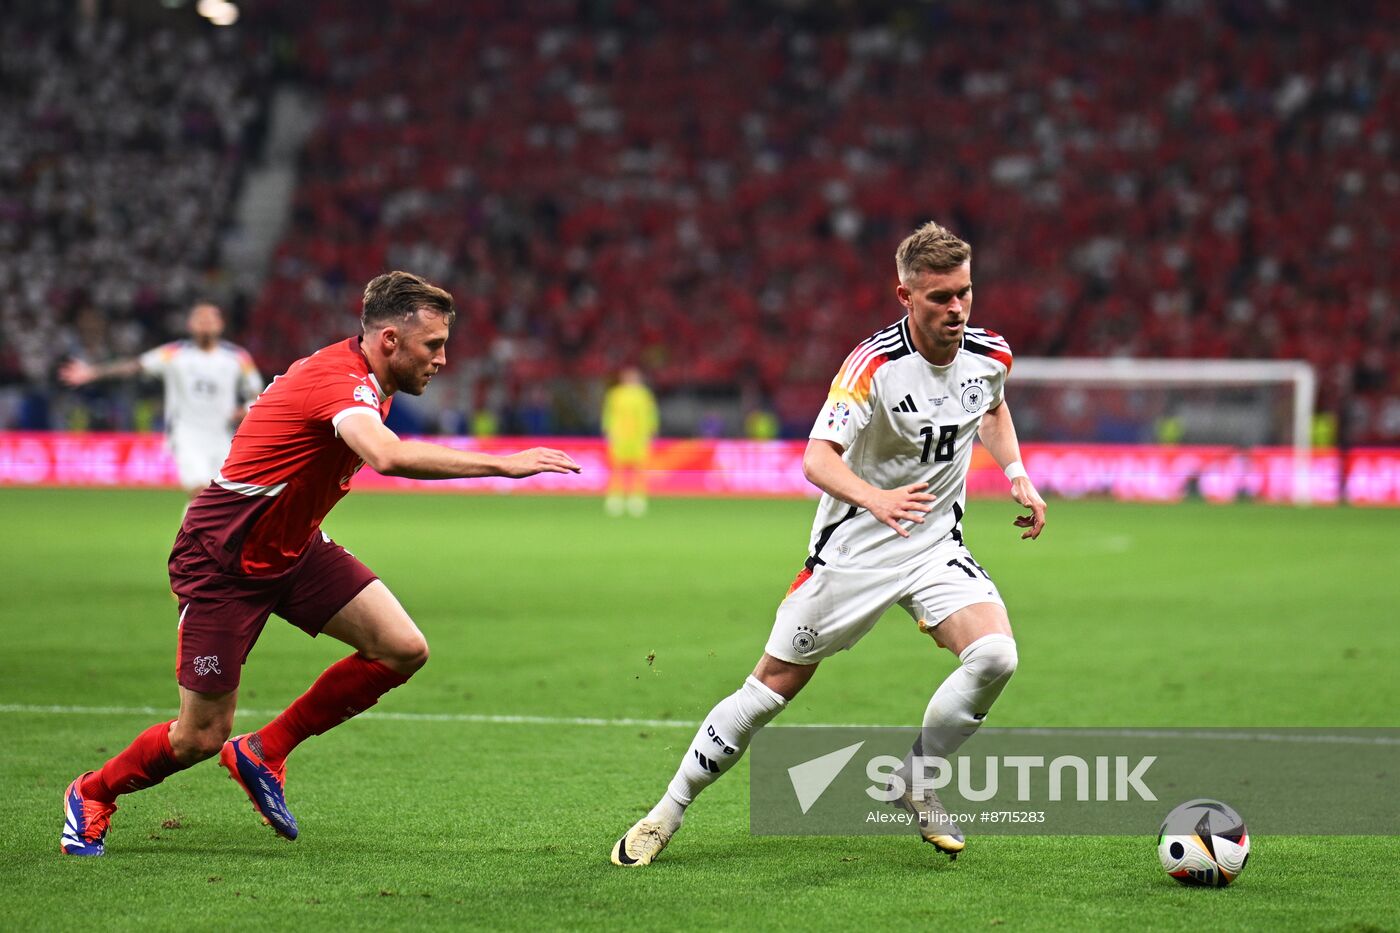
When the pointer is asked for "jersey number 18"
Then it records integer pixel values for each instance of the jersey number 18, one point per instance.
(942, 453)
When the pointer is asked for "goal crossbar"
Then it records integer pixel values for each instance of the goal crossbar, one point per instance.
(1122, 371)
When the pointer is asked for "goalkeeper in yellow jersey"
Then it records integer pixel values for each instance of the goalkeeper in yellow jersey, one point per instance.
(629, 424)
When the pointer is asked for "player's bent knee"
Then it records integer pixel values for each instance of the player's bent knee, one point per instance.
(191, 745)
(408, 654)
(991, 657)
(418, 656)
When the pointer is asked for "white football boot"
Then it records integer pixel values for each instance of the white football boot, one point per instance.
(936, 826)
(642, 844)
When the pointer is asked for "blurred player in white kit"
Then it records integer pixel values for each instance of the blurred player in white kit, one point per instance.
(208, 385)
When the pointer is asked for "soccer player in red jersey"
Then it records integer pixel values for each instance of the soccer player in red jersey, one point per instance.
(251, 545)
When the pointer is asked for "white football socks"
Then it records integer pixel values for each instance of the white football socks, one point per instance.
(954, 713)
(723, 736)
(962, 701)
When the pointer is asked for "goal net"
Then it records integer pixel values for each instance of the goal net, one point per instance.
(1237, 403)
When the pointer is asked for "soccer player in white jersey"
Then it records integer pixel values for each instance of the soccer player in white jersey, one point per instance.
(890, 452)
(208, 385)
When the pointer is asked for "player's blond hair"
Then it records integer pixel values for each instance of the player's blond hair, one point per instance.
(931, 248)
(394, 297)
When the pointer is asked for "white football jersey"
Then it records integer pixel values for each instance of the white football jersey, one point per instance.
(900, 420)
(203, 388)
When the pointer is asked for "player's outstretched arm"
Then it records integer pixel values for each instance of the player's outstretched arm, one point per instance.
(824, 468)
(77, 373)
(387, 453)
(998, 434)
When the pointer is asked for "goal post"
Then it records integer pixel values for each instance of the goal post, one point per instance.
(1240, 402)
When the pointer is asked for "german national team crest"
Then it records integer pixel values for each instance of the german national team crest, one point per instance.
(839, 414)
(805, 640)
(366, 394)
(974, 395)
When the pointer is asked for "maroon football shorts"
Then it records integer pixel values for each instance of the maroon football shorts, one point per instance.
(222, 614)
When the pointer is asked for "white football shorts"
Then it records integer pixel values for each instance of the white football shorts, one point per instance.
(835, 607)
(198, 455)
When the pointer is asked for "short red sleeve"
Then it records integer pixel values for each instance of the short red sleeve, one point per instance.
(335, 398)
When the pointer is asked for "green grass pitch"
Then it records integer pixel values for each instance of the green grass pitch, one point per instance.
(1127, 615)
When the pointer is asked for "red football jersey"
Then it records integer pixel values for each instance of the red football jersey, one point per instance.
(288, 466)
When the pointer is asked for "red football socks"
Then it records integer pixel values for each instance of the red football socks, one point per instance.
(146, 762)
(347, 688)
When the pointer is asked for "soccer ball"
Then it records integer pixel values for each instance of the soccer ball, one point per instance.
(1203, 843)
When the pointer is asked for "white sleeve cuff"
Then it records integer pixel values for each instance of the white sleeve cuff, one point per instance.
(347, 412)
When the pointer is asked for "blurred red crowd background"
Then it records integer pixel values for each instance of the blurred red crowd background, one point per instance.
(714, 190)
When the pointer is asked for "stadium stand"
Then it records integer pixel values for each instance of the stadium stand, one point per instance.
(713, 189)
(120, 150)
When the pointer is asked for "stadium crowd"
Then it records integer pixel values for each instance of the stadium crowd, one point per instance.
(120, 151)
(712, 189)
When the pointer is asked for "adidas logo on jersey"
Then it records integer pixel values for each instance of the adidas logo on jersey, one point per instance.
(907, 406)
